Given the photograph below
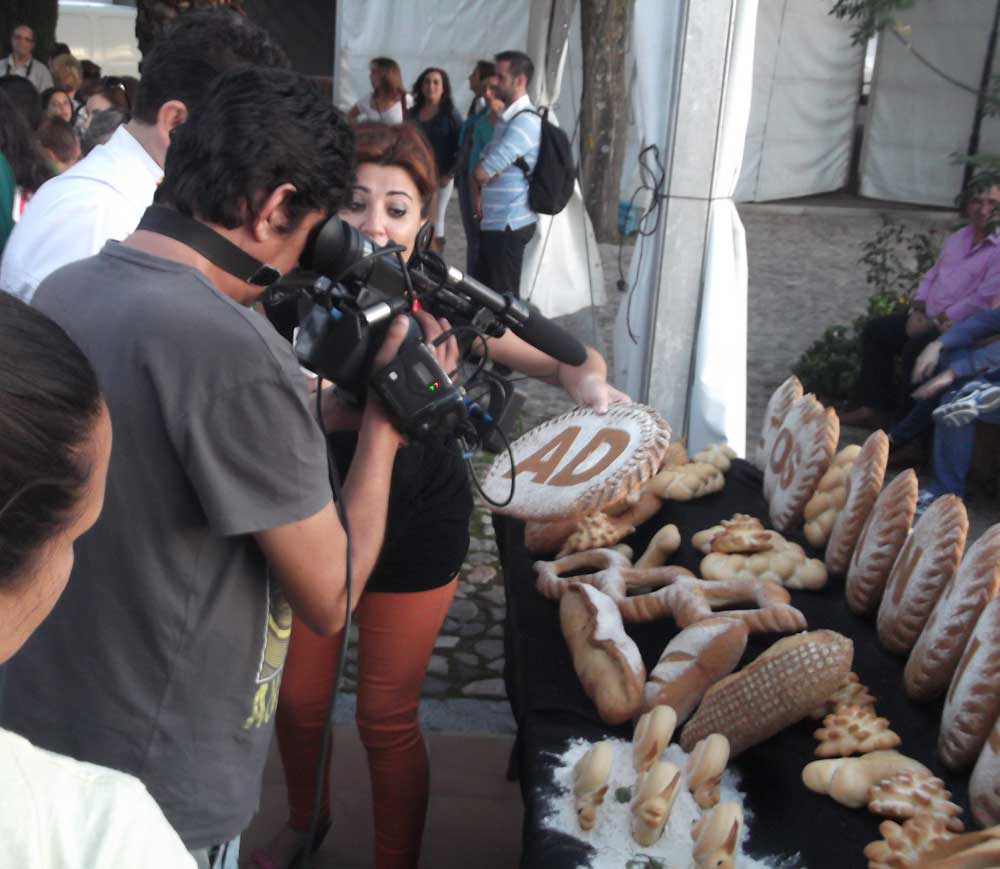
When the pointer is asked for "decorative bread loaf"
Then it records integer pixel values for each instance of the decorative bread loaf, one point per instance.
(706, 765)
(925, 565)
(590, 782)
(741, 533)
(973, 701)
(882, 536)
(613, 574)
(780, 687)
(688, 600)
(692, 662)
(907, 846)
(686, 482)
(976, 850)
(798, 459)
(783, 562)
(864, 482)
(720, 455)
(653, 732)
(854, 730)
(850, 693)
(605, 658)
(827, 501)
(984, 786)
(717, 836)
(778, 405)
(544, 538)
(596, 531)
(935, 656)
(910, 793)
(664, 543)
(849, 780)
(655, 798)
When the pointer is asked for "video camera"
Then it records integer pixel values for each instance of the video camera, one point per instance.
(357, 290)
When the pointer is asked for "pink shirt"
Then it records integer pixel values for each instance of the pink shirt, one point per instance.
(965, 279)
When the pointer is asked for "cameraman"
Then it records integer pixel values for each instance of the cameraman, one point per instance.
(163, 658)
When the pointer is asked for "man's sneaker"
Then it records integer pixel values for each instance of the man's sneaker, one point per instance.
(970, 402)
(925, 498)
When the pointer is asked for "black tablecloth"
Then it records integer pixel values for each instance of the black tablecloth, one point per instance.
(551, 707)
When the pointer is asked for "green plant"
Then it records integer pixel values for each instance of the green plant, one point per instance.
(870, 16)
(895, 259)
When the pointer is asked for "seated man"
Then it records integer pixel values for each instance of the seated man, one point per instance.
(970, 373)
(965, 279)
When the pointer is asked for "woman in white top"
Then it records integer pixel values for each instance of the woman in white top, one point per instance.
(388, 100)
(55, 445)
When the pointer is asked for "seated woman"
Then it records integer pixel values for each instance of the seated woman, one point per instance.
(427, 532)
(56, 444)
(965, 279)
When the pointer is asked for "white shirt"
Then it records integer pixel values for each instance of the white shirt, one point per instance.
(56, 811)
(368, 111)
(71, 216)
(34, 71)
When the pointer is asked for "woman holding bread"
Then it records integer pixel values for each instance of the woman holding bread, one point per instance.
(407, 597)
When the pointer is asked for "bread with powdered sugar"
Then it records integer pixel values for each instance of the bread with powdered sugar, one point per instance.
(864, 482)
(972, 704)
(924, 566)
(881, 538)
(778, 405)
(799, 457)
(939, 647)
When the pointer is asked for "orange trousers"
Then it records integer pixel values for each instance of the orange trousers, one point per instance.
(396, 634)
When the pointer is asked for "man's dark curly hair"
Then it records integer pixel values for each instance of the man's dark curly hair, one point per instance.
(195, 49)
(256, 129)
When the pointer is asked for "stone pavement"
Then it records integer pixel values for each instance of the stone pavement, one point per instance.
(803, 276)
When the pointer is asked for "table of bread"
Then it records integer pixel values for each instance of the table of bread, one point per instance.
(717, 664)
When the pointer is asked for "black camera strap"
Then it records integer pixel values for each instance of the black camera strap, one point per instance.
(217, 249)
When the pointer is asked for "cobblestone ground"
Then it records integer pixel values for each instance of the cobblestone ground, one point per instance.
(803, 276)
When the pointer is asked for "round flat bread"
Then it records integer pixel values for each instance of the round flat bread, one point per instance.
(864, 482)
(881, 538)
(935, 656)
(579, 462)
(924, 566)
(799, 456)
(778, 405)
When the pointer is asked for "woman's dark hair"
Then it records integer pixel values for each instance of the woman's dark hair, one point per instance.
(401, 145)
(485, 68)
(51, 403)
(189, 56)
(446, 106)
(21, 149)
(23, 96)
(47, 95)
(389, 84)
(257, 129)
(58, 136)
(113, 89)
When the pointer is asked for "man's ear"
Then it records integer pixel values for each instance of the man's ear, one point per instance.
(171, 114)
(272, 216)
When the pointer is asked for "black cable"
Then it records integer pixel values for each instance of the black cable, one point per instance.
(375, 254)
(483, 358)
(475, 481)
(304, 858)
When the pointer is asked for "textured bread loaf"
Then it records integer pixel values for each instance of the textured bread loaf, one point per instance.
(780, 687)
(935, 656)
(984, 786)
(778, 405)
(864, 482)
(692, 662)
(829, 498)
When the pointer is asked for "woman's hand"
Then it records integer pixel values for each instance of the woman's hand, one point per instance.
(588, 385)
(935, 385)
(926, 362)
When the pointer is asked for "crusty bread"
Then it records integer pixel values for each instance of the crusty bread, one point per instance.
(984, 786)
(605, 658)
(935, 656)
(798, 459)
(881, 538)
(692, 662)
(778, 405)
(780, 687)
(973, 701)
(924, 566)
(864, 482)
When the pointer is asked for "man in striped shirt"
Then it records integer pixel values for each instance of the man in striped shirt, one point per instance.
(507, 222)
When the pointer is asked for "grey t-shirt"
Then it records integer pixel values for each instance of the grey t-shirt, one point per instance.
(164, 655)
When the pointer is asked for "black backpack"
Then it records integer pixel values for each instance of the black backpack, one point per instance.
(550, 186)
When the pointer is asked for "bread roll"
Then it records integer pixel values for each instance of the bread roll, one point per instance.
(935, 656)
(692, 662)
(864, 482)
(605, 658)
(973, 700)
(925, 565)
(780, 687)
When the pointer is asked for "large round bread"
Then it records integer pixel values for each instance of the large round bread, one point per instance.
(782, 686)
(864, 482)
(881, 538)
(973, 701)
(924, 566)
(778, 405)
(935, 656)
(579, 462)
(799, 457)
(984, 786)
(692, 662)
